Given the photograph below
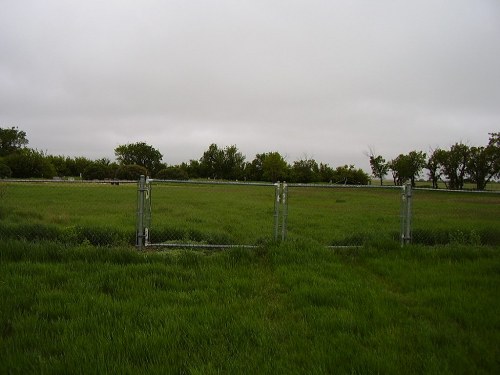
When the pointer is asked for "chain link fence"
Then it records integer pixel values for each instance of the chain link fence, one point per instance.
(75, 212)
(205, 214)
(459, 217)
(215, 214)
(223, 214)
(341, 215)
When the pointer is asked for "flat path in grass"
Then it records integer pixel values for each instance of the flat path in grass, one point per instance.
(294, 308)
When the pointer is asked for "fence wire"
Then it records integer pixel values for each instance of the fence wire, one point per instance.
(460, 217)
(339, 215)
(208, 214)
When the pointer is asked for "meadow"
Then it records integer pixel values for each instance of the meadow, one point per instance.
(105, 214)
(76, 296)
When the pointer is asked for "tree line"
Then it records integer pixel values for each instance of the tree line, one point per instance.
(453, 167)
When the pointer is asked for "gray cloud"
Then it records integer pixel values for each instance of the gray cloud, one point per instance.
(325, 78)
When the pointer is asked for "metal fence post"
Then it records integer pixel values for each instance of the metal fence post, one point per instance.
(284, 202)
(141, 191)
(406, 214)
(276, 209)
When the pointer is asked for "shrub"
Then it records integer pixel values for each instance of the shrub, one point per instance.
(131, 172)
(5, 171)
(172, 173)
(95, 172)
(30, 163)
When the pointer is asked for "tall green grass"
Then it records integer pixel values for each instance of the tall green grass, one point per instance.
(290, 309)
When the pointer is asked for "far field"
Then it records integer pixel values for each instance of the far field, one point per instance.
(105, 214)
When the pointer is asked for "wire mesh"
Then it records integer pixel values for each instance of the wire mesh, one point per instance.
(339, 215)
(460, 217)
(210, 214)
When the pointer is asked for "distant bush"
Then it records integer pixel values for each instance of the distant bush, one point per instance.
(95, 172)
(5, 171)
(29, 163)
(172, 173)
(131, 172)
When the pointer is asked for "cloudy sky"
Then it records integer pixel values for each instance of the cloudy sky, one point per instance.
(327, 79)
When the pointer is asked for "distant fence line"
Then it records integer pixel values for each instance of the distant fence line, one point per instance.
(68, 181)
(223, 214)
(224, 182)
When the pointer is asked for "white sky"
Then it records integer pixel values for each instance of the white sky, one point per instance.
(319, 78)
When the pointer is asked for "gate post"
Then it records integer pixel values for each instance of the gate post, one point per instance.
(406, 214)
(141, 192)
(284, 202)
(276, 209)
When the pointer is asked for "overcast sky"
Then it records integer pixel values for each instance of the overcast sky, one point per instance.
(323, 79)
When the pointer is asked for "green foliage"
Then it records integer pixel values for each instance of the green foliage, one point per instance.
(131, 172)
(141, 154)
(269, 166)
(455, 165)
(407, 167)
(274, 167)
(379, 167)
(11, 140)
(484, 162)
(349, 175)
(96, 171)
(434, 165)
(217, 163)
(28, 163)
(5, 171)
(172, 173)
(304, 171)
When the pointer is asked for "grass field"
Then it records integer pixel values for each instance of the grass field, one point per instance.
(69, 306)
(290, 309)
(103, 214)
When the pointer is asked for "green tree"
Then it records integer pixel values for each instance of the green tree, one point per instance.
(254, 170)
(455, 162)
(274, 167)
(305, 171)
(326, 173)
(130, 172)
(227, 163)
(484, 162)
(60, 164)
(193, 169)
(95, 171)
(234, 163)
(407, 167)
(11, 140)
(434, 165)
(379, 167)
(175, 172)
(212, 162)
(78, 165)
(5, 171)
(349, 175)
(139, 153)
(28, 163)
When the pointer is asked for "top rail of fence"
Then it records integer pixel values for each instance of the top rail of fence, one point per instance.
(389, 187)
(336, 186)
(458, 191)
(65, 181)
(212, 182)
